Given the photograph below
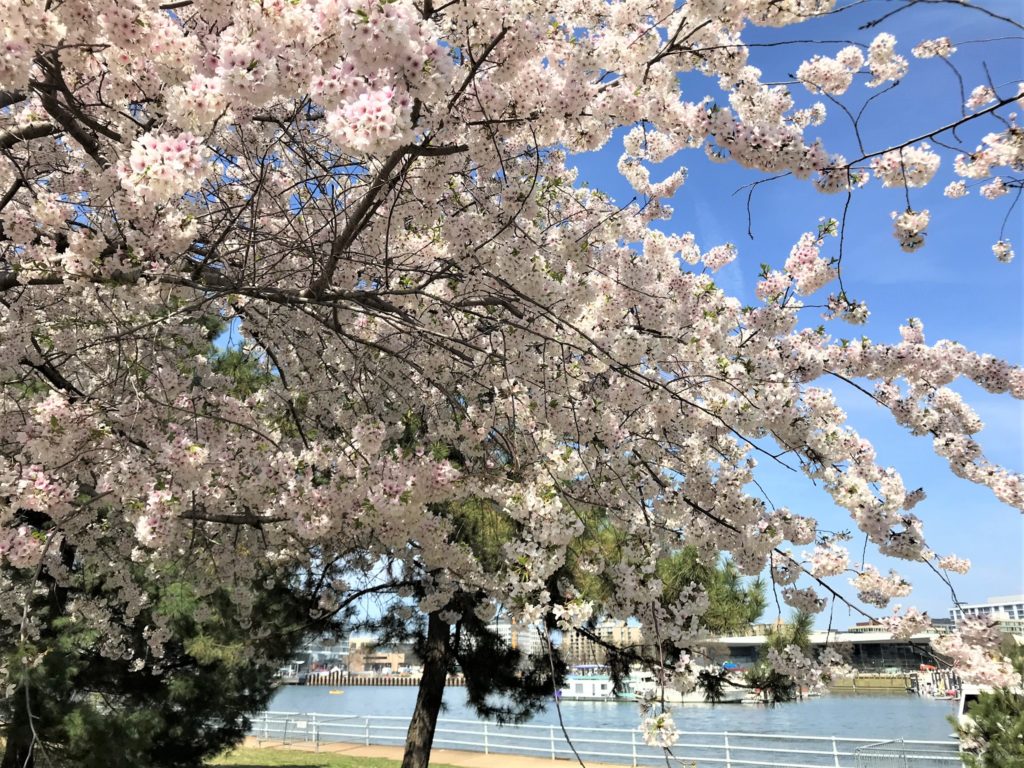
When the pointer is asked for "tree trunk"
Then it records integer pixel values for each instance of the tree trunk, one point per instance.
(436, 658)
(18, 752)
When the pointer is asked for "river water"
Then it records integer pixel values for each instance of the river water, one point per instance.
(862, 716)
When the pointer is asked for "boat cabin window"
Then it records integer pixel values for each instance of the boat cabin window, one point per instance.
(970, 699)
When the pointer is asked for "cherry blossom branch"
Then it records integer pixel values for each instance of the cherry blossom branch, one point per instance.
(369, 203)
(253, 520)
(948, 127)
(961, 3)
(7, 98)
(34, 130)
(476, 64)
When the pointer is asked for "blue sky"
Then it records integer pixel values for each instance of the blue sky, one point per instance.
(954, 284)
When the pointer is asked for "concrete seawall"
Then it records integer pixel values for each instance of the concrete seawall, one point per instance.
(865, 682)
(343, 678)
(872, 683)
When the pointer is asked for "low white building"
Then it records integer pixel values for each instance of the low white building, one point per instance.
(871, 649)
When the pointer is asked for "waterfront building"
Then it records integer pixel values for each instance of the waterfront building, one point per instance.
(865, 626)
(523, 637)
(941, 626)
(761, 629)
(326, 653)
(870, 649)
(1007, 610)
(367, 658)
(291, 672)
(577, 648)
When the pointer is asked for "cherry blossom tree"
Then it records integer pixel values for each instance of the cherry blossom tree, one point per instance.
(379, 197)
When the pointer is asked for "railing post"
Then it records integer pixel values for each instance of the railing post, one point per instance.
(632, 739)
(487, 748)
(367, 724)
(316, 734)
(835, 752)
(552, 742)
(728, 756)
(266, 728)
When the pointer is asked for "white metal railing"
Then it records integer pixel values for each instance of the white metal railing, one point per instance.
(611, 745)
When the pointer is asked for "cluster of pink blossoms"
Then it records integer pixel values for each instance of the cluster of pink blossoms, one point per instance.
(21, 547)
(1002, 149)
(719, 256)
(973, 648)
(375, 121)
(1003, 251)
(639, 176)
(805, 599)
(940, 46)
(954, 564)
(955, 190)
(979, 97)
(794, 664)
(154, 527)
(875, 589)
(197, 104)
(822, 74)
(994, 189)
(773, 285)
(906, 167)
(572, 614)
(828, 560)
(26, 24)
(659, 730)
(904, 625)
(837, 176)
(162, 166)
(851, 311)
(883, 61)
(909, 228)
(807, 268)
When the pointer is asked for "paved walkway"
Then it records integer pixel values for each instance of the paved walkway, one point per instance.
(445, 756)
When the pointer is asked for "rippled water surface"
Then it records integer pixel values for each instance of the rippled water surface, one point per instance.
(881, 717)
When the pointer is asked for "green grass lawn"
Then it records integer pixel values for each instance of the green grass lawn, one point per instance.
(286, 758)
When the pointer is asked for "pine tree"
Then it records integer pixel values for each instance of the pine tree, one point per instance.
(81, 705)
(993, 736)
(87, 701)
(796, 633)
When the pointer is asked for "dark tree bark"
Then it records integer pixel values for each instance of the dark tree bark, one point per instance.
(436, 660)
(18, 751)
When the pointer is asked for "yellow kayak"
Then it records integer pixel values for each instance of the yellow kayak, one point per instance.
(336, 693)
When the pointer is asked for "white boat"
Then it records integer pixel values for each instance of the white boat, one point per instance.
(968, 698)
(756, 696)
(643, 685)
(593, 683)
